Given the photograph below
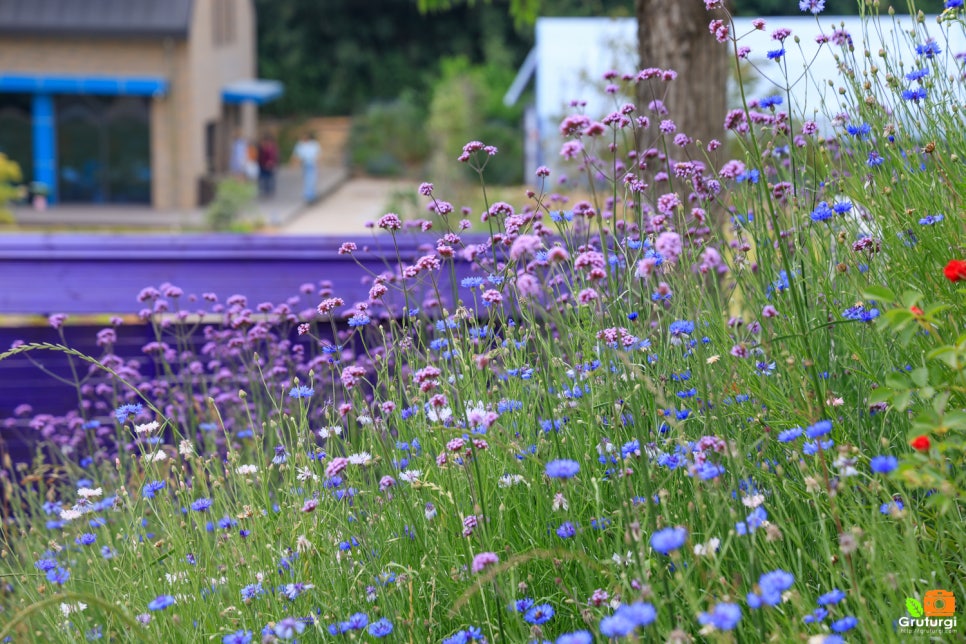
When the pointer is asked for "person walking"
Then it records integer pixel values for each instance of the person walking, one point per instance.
(307, 152)
(267, 161)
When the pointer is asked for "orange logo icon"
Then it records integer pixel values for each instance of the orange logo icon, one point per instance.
(939, 603)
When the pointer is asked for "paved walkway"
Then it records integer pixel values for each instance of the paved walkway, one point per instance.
(285, 206)
(346, 210)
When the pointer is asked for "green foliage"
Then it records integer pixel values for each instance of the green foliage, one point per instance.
(232, 198)
(933, 392)
(467, 104)
(10, 178)
(389, 139)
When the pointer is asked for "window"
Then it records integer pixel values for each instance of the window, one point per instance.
(223, 22)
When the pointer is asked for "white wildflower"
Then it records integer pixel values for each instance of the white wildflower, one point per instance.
(509, 480)
(247, 470)
(147, 428)
(302, 544)
(362, 458)
(410, 476)
(67, 609)
(186, 448)
(753, 501)
(70, 515)
(707, 549)
(304, 474)
(329, 432)
(88, 493)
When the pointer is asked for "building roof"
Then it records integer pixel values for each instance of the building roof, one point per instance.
(98, 18)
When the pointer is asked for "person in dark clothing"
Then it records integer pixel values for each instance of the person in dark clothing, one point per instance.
(267, 163)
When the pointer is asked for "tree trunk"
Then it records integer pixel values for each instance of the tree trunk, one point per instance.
(673, 34)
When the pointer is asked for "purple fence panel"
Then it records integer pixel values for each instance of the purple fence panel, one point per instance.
(78, 274)
(43, 274)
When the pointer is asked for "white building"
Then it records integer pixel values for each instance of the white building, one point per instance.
(572, 54)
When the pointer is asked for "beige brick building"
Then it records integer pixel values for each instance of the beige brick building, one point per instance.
(127, 101)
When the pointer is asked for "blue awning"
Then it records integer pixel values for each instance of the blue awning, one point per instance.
(103, 85)
(256, 90)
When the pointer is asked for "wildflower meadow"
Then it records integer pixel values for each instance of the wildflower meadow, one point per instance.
(691, 391)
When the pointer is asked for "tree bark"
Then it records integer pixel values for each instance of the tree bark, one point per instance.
(673, 34)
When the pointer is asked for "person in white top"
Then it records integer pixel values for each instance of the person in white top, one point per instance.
(307, 152)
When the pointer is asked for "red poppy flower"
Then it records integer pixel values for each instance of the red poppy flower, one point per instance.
(915, 310)
(955, 270)
(920, 443)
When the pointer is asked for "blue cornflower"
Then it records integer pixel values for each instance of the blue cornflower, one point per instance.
(151, 488)
(43, 565)
(577, 637)
(558, 216)
(357, 621)
(708, 470)
(566, 530)
(929, 220)
(107, 552)
(770, 101)
(755, 519)
(86, 539)
(201, 505)
(238, 637)
(521, 605)
(58, 575)
(281, 455)
(817, 615)
(359, 319)
(161, 602)
(616, 626)
(638, 613)
(860, 314)
(953, 4)
(875, 159)
(883, 464)
(842, 207)
(540, 614)
(471, 282)
(789, 435)
(380, 628)
(822, 212)
(929, 50)
(915, 95)
(124, 411)
(814, 6)
(681, 327)
(562, 469)
(773, 584)
(917, 74)
(821, 428)
(751, 176)
(251, 591)
(724, 617)
(810, 448)
(833, 596)
(301, 391)
(861, 131)
(776, 54)
(288, 628)
(892, 506)
(845, 624)
(668, 540)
